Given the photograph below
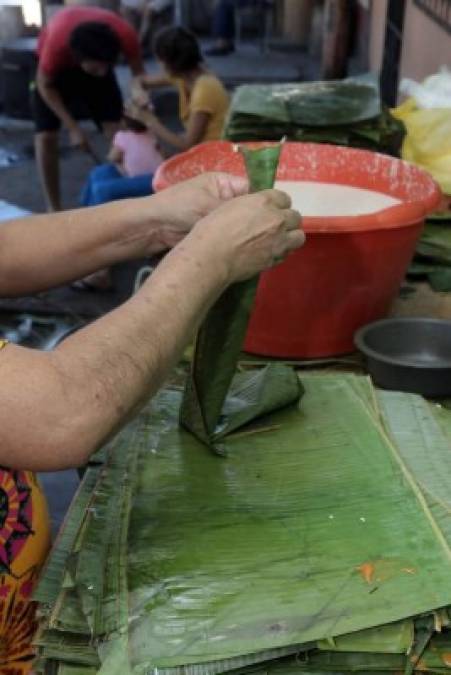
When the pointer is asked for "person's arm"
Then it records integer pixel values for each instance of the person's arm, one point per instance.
(52, 97)
(195, 132)
(150, 82)
(42, 251)
(143, 84)
(59, 407)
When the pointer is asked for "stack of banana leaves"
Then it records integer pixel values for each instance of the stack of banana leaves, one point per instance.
(320, 541)
(237, 526)
(343, 112)
(433, 253)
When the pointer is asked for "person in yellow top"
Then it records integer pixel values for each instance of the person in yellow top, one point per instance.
(203, 100)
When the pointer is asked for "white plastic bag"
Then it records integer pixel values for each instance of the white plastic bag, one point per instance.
(433, 92)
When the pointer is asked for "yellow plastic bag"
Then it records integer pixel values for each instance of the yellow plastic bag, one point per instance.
(428, 140)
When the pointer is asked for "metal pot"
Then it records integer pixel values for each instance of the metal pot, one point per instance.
(408, 354)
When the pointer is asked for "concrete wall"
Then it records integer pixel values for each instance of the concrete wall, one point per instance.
(378, 11)
(426, 46)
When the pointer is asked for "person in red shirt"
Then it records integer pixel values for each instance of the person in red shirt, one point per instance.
(75, 80)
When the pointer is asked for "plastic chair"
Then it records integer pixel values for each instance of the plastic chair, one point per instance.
(264, 10)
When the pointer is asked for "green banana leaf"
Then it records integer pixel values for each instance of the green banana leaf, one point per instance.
(437, 273)
(53, 574)
(396, 638)
(440, 279)
(100, 568)
(255, 394)
(205, 411)
(345, 112)
(216, 351)
(76, 670)
(425, 452)
(328, 527)
(320, 104)
(433, 254)
(316, 104)
(443, 217)
(293, 524)
(441, 411)
(435, 243)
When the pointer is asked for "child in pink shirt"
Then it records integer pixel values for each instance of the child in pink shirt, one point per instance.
(134, 158)
(135, 150)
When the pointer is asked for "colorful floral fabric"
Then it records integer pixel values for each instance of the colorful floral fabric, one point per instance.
(24, 543)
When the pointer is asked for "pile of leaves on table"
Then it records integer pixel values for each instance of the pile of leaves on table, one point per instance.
(270, 532)
(433, 253)
(319, 542)
(343, 112)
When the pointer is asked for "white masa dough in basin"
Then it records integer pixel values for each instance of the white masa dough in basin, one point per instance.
(331, 199)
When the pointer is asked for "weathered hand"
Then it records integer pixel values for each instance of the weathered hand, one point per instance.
(248, 234)
(177, 209)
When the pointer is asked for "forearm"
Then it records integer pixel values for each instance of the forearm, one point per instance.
(42, 251)
(149, 82)
(59, 407)
(179, 141)
(80, 394)
(142, 84)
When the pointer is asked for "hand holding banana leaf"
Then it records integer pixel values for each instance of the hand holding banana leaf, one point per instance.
(216, 400)
(271, 233)
(119, 361)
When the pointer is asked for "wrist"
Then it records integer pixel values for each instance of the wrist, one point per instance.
(138, 230)
(207, 254)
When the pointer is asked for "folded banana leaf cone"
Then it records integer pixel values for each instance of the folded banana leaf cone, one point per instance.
(343, 112)
(319, 543)
(217, 399)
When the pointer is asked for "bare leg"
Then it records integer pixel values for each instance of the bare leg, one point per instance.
(46, 149)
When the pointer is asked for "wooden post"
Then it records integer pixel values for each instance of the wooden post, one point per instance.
(336, 26)
(297, 19)
(43, 4)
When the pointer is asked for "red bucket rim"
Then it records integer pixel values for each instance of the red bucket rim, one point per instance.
(400, 215)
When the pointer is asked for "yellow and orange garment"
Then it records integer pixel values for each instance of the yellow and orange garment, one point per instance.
(208, 96)
(24, 544)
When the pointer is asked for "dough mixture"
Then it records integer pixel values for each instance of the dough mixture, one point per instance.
(330, 199)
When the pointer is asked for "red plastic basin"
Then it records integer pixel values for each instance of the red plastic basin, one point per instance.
(350, 268)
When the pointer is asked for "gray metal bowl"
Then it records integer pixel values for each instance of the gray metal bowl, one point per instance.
(408, 354)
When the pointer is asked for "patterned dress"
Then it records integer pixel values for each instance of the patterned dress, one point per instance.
(24, 543)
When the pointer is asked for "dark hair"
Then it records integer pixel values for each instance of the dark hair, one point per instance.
(134, 125)
(178, 48)
(95, 41)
